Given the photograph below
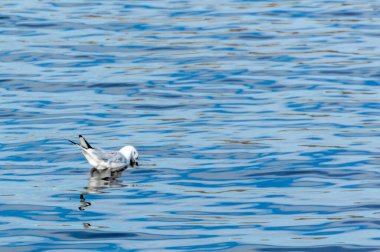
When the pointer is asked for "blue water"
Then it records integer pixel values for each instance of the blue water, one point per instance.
(257, 124)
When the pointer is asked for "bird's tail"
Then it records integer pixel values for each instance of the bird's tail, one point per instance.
(83, 144)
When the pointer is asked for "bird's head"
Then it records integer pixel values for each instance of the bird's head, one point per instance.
(131, 154)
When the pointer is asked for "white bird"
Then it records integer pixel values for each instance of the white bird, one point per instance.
(107, 160)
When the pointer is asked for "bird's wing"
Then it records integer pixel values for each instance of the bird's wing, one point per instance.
(83, 144)
(110, 159)
(105, 155)
(101, 158)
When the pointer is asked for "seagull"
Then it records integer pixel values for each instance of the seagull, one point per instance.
(106, 160)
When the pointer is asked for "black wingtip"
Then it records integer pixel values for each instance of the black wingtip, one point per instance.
(84, 143)
(72, 141)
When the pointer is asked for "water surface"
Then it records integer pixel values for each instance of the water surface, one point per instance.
(257, 123)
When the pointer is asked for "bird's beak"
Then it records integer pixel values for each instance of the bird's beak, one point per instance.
(134, 162)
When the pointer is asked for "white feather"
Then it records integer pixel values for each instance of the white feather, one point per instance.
(101, 159)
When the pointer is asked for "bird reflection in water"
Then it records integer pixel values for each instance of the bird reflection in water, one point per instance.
(87, 225)
(100, 179)
(84, 203)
